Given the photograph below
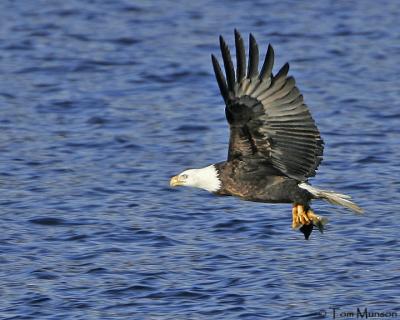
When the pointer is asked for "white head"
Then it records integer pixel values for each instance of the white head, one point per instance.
(204, 178)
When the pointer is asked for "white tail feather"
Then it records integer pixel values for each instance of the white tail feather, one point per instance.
(332, 197)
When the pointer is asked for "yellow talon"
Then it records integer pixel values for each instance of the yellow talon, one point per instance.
(295, 218)
(302, 217)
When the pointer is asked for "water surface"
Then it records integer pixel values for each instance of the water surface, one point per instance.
(102, 101)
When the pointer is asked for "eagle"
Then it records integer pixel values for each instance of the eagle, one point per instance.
(274, 144)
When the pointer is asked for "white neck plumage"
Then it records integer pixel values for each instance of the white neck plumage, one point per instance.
(204, 178)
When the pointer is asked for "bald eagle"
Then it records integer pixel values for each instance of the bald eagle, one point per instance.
(274, 144)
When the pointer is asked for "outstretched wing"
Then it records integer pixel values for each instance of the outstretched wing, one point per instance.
(266, 113)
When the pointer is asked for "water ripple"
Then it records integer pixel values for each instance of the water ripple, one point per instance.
(102, 102)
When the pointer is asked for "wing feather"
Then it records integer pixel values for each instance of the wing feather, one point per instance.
(220, 78)
(289, 99)
(266, 70)
(282, 73)
(253, 57)
(282, 92)
(240, 57)
(229, 70)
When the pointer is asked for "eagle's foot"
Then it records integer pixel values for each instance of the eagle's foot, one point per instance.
(299, 216)
(295, 219)
(303, 216)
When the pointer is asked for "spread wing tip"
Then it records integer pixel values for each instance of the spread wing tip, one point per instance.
(220, 77)
(276, 94)
(266, 69)
(253, 57)
(226, 57)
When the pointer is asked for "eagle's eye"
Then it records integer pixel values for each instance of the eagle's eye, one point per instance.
(184, 176)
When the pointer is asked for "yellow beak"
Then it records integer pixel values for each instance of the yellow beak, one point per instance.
(174, 182)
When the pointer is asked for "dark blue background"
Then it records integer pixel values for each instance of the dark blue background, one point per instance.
(102, 101)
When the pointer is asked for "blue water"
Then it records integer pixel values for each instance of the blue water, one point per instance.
(101, 102)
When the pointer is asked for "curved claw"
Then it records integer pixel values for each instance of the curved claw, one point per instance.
(302, 217)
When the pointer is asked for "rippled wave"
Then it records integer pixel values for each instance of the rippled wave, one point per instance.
(102, 101)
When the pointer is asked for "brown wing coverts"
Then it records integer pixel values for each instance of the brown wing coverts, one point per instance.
(267, 115)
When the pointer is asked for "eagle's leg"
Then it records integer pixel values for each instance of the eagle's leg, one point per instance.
(302, 214)
(299, 216)
(295, 220)
(306, 218)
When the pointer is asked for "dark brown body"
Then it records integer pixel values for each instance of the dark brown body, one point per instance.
(254, 180)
